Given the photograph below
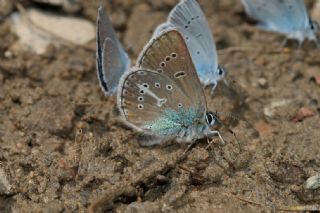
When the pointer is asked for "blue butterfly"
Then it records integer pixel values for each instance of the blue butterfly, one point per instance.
(289, 17)
(190, 21)
(163, 97)
(111, 59)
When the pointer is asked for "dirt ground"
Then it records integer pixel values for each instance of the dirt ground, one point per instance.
(63, 147)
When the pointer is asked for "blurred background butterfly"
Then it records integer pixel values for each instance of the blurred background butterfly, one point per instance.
(289, 17)
(111, 59)
(163, 97)
(190, 21)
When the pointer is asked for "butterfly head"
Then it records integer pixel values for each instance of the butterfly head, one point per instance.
(221, 72)
(314, 26)
(212, 118)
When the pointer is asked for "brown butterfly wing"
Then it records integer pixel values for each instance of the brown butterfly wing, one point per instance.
(168, 54)
(145, 94)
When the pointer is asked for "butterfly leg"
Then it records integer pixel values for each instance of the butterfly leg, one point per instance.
(189, 147)
(215, 132)
(214, 85)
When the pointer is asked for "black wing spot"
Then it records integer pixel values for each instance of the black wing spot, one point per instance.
(145, 85)
(179, 74)
(142, 92)
(157, 85)
(140, 99)
(160, 70)
(162, 64)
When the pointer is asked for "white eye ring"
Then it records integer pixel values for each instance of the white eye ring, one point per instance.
(169, 87)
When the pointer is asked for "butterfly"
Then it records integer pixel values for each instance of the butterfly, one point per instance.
(164, 97)
(111, 59)
(190, 21)
(284, 16)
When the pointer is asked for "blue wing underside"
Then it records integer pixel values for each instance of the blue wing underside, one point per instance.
(284, 16)
(112, 60)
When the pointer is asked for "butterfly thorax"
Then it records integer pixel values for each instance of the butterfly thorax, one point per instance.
(183, 124)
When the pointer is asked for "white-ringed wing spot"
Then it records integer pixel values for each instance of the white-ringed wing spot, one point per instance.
(180, 74)
(157, 85)
(162, 64)
(140, 99)
(145, 85)
(142, 91)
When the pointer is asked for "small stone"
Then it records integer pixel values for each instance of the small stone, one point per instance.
(313, 182)
(263, 128)
(47, 28)
(302, 113)
(262, 82)
(5, 186)
(6, 6)
(8, 54)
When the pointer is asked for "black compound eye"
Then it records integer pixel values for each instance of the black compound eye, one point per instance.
(221, 71)
(209, 118)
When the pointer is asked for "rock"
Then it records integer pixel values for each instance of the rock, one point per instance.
(302, 113)
(45, 28)
(6, 6)
(313, 182)
(5, 186)
(270, 110)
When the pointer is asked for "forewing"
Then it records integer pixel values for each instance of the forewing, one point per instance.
(145, 94)
(189, 19)
(168, 54)
(111, 59)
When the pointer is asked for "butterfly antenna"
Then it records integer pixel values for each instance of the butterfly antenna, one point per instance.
(228, 128)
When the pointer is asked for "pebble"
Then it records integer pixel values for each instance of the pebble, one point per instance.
(47, 28)
(313, 182)
(6, 6)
